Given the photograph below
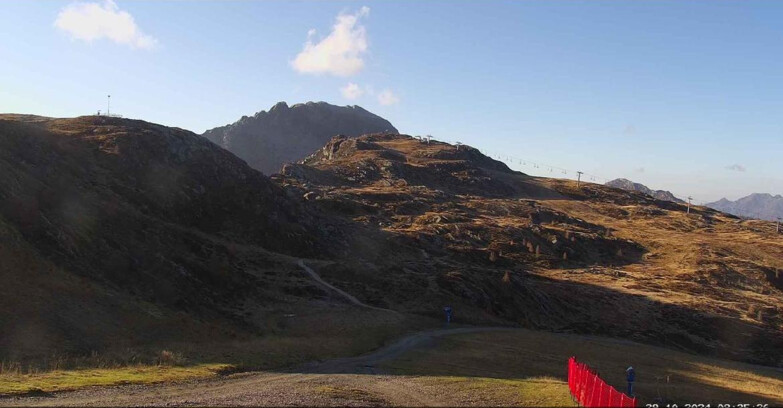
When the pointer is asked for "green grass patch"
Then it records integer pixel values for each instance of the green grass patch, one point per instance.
(524, 392)
(63, 380)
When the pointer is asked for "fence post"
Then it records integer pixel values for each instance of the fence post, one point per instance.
(604, 395)
(578, 382)
(589, 400)
(598, 387)
(614, 398)
(570, 376)
(585, 386)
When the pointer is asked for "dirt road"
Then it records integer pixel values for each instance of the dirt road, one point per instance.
(341, 382)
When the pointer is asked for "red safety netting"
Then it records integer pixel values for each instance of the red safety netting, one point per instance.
(589, 390)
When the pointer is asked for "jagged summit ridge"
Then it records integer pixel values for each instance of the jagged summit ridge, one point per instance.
(285, 134)
(629, 185)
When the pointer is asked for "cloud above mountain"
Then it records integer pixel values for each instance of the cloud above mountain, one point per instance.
(88, 22)
(341, 53)
(387, 97)
(351, 91)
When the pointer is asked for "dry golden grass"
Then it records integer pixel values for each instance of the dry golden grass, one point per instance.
(484, 391)
(712, 264)
(75, 379)
(613, 262)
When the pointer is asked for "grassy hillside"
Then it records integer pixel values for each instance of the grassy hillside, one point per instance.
(119, 234)
(121, 239)
(528, 368)
(462, 229)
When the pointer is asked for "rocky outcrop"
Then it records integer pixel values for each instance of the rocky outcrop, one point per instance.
(268, 140)
(629, 185)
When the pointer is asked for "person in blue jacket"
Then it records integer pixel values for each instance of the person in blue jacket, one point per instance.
(630, 375)
(447, 310)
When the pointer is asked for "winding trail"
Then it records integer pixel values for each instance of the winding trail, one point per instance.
(339, 291)
(360, 364)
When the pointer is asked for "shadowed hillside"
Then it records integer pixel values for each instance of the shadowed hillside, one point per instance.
(118, 232)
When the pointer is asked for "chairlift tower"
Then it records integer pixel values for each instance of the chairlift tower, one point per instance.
(689, 204)
(108, 105)
(578, 178)
(777, 227)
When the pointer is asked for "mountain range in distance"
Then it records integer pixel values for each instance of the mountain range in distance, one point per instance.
(286, 134)
(762, 206)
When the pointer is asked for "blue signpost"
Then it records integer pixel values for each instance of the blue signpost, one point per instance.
(447, 310)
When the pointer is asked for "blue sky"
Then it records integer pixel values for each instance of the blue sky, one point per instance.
(685, 96)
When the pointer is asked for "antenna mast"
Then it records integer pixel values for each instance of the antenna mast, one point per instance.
(108, 106)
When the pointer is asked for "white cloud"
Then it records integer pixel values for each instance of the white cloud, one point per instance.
(340, 53)
(387, 97)
(351, 91)
(95, 21)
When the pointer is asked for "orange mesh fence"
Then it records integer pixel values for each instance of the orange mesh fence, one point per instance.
(589, 390)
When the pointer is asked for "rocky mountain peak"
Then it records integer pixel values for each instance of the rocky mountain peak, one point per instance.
(287, 134)
(629, 185)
